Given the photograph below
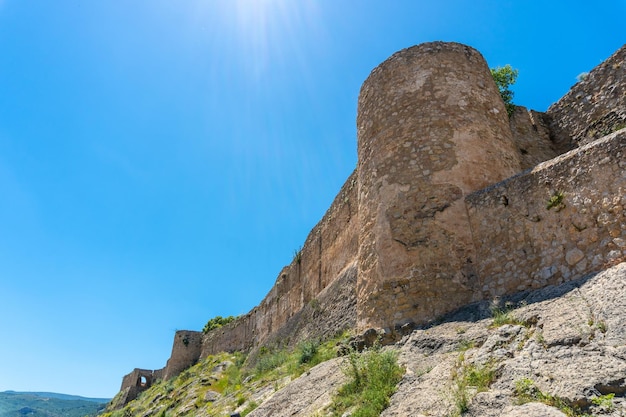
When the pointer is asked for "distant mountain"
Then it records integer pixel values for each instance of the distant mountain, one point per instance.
(61, 396)
(48, 404)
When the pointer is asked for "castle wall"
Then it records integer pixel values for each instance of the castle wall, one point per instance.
(594, 107)
(531, 135)
(329, 249)
(523, 241)
(185, 352)
(136, 382)
(431, 129)
(428, 223)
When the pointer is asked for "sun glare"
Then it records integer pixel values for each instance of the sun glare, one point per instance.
(268, 30)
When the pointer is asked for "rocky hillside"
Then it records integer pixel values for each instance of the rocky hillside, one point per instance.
(558, 351)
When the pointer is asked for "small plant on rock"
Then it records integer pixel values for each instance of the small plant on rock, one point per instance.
(297, 256)
(604, 401)
(372, 378)
(556, 201)
(467, 380)
(504, 315)
(527, 391)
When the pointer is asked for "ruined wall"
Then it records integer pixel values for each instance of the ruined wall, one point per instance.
(136, 382)
(185, 352)
(431, 129)
(593, 107)
(329, 249)
(556, 223)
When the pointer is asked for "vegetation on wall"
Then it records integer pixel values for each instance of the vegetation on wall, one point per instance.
(505, 77)
(217, 322)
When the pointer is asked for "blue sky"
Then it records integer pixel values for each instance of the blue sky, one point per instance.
(160, 161)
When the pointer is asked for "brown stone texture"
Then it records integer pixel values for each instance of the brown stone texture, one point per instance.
(185, 352)
(431, 128)
(594, 107)
(136, 382)
(522, 241)
(531, 134)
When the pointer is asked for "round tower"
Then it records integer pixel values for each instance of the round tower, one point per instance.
(431, 128)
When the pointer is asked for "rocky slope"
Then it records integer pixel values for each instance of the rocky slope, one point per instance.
(556, 351)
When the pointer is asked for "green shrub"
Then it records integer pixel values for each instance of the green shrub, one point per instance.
(504, 315)
(527, 391)
(270, 359)
(372, 378)
(217, 322)
(505, 77)
(604, 401)
(307, 350)
(249, 408)
(477, 377)
(297, 256)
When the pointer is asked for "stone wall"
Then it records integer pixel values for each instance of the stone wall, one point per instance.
(330, 248)
(136, 382)
(594, 107)
(556, 223)
(185, 352)
(431, 128)
(531, 135)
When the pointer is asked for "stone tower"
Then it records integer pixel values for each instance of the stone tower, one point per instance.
(431, 128)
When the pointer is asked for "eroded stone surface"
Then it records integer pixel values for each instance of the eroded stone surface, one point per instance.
(431, 128)
(594, 107)
(566, 347)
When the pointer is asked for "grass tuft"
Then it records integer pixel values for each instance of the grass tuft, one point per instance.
(373, 376)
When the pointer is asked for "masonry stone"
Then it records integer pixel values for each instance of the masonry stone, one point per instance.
(431, 128)
(531, 135)
(594, 107)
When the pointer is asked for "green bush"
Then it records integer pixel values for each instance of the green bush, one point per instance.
(217, 322)
(307, 350)
(465, 376)
(270, 359)
(505, 77)
(372, 379)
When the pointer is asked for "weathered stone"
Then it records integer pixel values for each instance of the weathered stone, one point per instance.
(532, 410)
(553, 350)
(573, 256)
(594, 107)
(211, 396)
(431, 128)
(303, 396)
(531, 134)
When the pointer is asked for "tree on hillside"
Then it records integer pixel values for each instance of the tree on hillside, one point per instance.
(505, 77)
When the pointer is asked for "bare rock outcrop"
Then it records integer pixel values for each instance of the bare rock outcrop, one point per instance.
(305, 395)
(568, 342)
